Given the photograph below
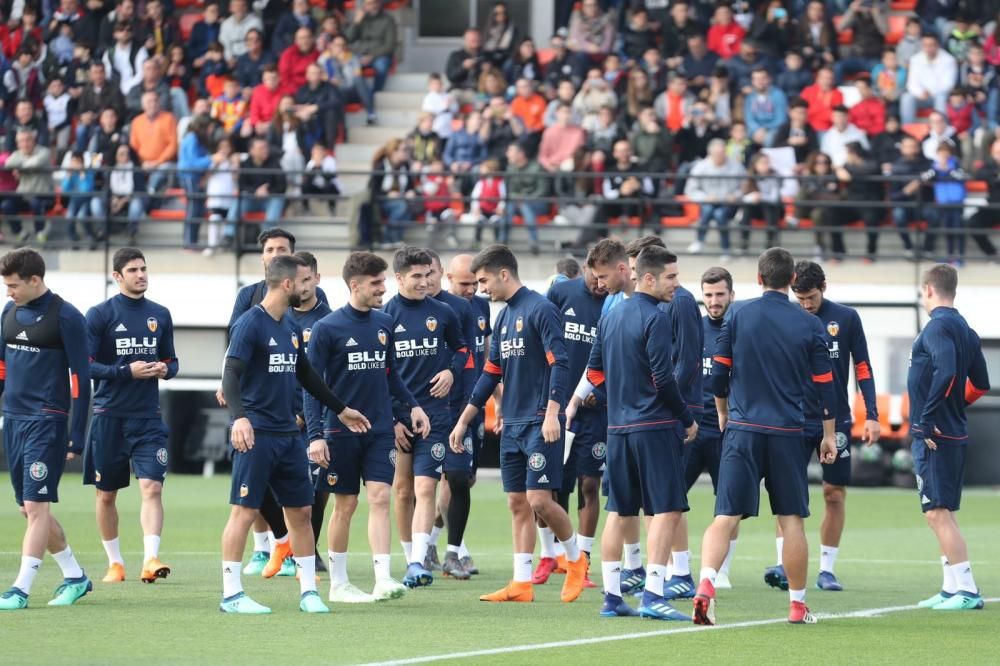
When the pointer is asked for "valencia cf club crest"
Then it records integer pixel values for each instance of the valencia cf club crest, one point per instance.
(382, 337)
(306, 334)
(432, 324)
(519, 324)
(38, 471)
(331, 479)
(161, 456)
(833, 328)
(244, 490)
(152, 324)
(437, 451)
(295, 340)
(536, 462)
(481, 322)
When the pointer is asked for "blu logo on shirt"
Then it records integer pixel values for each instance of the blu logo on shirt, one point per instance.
(421, 347)
(129, 346)
(282, 362)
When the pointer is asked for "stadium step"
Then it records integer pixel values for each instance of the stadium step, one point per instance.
(407, 82)
(404, 101)
(388, 118)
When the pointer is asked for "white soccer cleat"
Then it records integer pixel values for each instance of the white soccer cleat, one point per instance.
(346, 593)
(388, 588)
(722, 582)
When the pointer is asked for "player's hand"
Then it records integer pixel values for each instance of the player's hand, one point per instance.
(931, 444)
(574, 404)
(498, 420)
(591, 401)
(241, 435)
(828, 449)
(723, 421)
(456, 437)
(441, 383)
(354, 420)
(872, 432)
(319, 453)
(691, 433)
(142, 369)
(403, 435)
(299, 421)
(551, 429)
(220, 397)
(420, 421)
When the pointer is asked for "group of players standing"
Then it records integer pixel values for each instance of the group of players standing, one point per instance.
(392, 395)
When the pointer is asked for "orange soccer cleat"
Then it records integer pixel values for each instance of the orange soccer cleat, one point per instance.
(562, 565)
(278, 555)
(576, 573)
(152, 569)
(116, 573)
(513, 591)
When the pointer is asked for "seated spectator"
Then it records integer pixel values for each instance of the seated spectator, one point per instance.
(320, 179)
(601, 138)
(249, 68)
(992, 45)
(764, 109)
(638, 95)
(527, 192)
(868, 114)
(984, 219)
(24, 79)
(28, 31)
(486, 204)
(300, 16)
(885, 146)
(263, 103)
(105, 139)
(856, 174)
(673, 105)
(762, 191)
(372, 36)
(441, 105)
(214, 72)
(815, 38)
(500, 128)
(32, 166)
(613, 73)
(220, 192)
(261, 185)
(725, 35)
(719, 97)
(793, 79)
(561, 149)
(320, 105)
(158, 31)
(699, 63)
(692, 140)
(423, 142)
(76, 73)
(500, 36)
(772, 28)
(948, 181)
(529, 107)
(125, 60)
(126, 184)
(591, 34)
(961, 38)
(204, 32)
(491, 84)
(563, 66)
(931, 74)
(25, 118)
(465, 65)
(229, 108)
(652, 146)
(869, 21)
(289, 141)
(638, 35)
(797, 133)
(889, 78)
(391, 190)
(295, 59)
(154, 139)
(234, 30)
(741, 68)
(465, 150)
(524, 63)
(716, 184)
(676, 29)
(56, 104)
(939, 132)
(822, 97)
(909, 45)
(178, 74)
(962, 118)
(739, 145)
(124, 12)
(979, 78)
(656, 69)
(152, 80)
(437, 213)
(594, 95)
(622, 181)
(564, 95)
(842, 133)
(818, 184)
(343, 69)
(908, 194)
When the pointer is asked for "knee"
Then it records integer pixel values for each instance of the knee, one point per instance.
(151, 490)
(588, 488)
(459, 482)
(299, 516)
(345, 505)
(378, 498)
(403, 492)
(539, 500)
(834, 496)
(106, 498)
(936, 517)
(518, 503)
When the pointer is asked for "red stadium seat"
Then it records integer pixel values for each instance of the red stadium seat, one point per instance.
(976, 186)
(903, 5)
(917, 130)
(545, 56)
(897, 27)
(186, 23)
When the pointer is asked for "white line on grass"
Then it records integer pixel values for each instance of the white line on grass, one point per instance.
(687, 629)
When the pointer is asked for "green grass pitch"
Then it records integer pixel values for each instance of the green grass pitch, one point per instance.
(888, 560)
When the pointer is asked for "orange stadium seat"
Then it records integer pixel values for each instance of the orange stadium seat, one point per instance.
(917, 130)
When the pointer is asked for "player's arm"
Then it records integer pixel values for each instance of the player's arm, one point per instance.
(659, 341)
(591, 381)
(319, 355)
(3, 361)
(241, 305)
(688, 341)
(469, 376)
(485, 386)
(168, 354)
(722, 369)
(943, 360)
(441, 384)
(96, 326)
(978, 382)
(403, 399)
(73, 330)
(822, 379)
(866, 382)
(310, 380)
(551, 334)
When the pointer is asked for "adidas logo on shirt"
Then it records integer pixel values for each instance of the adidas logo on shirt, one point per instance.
(351, 342)
(272, 343)
(571, 312)
(121, 328)
(544, 478)
(23, 335)
(400, 329)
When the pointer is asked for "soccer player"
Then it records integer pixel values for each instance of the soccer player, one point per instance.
(354, 350)
(767, 353)
(845, 338)
(527, 353)
(431, 357)
(259, 382)
(645, 423)
(131, 341)
(45, 374)
(580, 302)
(947, 373)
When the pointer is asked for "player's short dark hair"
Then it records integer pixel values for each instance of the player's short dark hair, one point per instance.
(310, 260)
(569, 267)
(277, 232)
(409, 256)
(368, 264)
(606, 252)
(942, 277)
(776, 267)
(494, 259)
(639, 244)
(125, 255)
(25, 263)
(653, 259)
(808, 276)
(717, 274)
(283, 267)
(433, 254)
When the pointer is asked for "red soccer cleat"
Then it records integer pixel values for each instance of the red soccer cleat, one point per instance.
(546, 567)
(798, 613)
(704, 604)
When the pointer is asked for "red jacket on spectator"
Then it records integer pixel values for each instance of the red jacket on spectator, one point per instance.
(13, 41)
(960, 118)
(868, 115)
(437, 193)
(820, 113)
(726, 39)
(292, 68)
(263, 103)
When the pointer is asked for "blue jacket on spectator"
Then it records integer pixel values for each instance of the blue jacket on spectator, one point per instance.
(464, 147)
(78, 183)
(202, 34)
(792, 82)
(949, 183)
(768, 111)
(193, 157)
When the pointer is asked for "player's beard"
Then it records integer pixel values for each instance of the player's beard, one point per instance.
(294, 300)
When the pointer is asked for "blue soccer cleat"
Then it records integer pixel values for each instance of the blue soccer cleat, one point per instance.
(257, 563)
(633, 581)
(417, 576)
(615, 606)
(679, 587)
(776, 578)
(71, 590)
(241, 604)
(936, 599)
(13, 599)
(827, 581)
(311, 603)
(962, 600)
(655, 607)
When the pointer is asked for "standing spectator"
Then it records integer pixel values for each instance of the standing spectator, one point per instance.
(465, 65)
(249, 69)
(441, 105)
(343, 70)
(261, 185)
(869, 21)
(561, 149)
(158, 31)
(319, 104)
(835, 141)
(486, 203)
(794, 78)
(562, 66)
(949, 194)
(391, 190)
(591, 34)
(772, 28)
(500, 36)
(233, 31)
(856, 174)
(673, 105)
(263, 102)
(762, 191)
(78, 192)
(868, 114)
(715, 183)
(910, 44)
(204, 32)
(819, 184)
(822, 97)
(725, 35)
(154, 139)
(889, 79)
(815, 38)
(289, 24)
(32, 166)
(527, 189)
(295, 60)
(125, 185)
(372, 35)
(529, 107)
(931, 74)
(797, 133)
(220, 193)
(288, 142)
(984, 219)
(423, 143)
(193, 162)
(764, 109)
(524, 63)
(908, 194)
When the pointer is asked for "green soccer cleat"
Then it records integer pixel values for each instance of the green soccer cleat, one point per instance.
(935, 600)
(241, 604)
(71, 590)
(288, 567)
(962, 601)
(311, 603)
(13, 599)
(257, 563)
(388, 588)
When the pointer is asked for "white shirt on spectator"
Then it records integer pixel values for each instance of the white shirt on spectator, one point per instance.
(57, 109)
(233, 34)
(220, 186)
(934, 77)
(931, 142)
(443, 106)
(119, 61)
(835, 142)
(327, 167)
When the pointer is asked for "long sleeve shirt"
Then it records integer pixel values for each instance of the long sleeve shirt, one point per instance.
(687, 344)
(154, 139)
(580, 311)
(464, 383)
(935, 77)
(709, 421)
(306, 321)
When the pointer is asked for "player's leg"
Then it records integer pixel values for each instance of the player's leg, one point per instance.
(342, 479)
(107, 525)
(147, 440)
(429, 454)
(379, 538)
(433, 562)
(836, 477)
(106, 467)
(280, 563)
(261, 547)
(320, 500)
(151, 519)
(622, 496)
(478, 430)
(405, 501)
(460, 486)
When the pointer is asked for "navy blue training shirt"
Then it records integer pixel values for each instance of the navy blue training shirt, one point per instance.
(947, 373)
(122, 330)
(481, 310)
(245, 300)
(462, 388)
(709, 420)
(580, 311)
(688, 343)
(306, 321)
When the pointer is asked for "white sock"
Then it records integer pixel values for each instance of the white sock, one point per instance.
(307, 573)
(453, 549)
(70, 567)
(726, 563)
(150, 546)
(682, 563)
(435, 533)
(381, 564)
(270, 542)
(338, 568)
(548, 542)
(420, 540)
(560, 549)
(114, 551)
(633, 556)
(260, 542)
(283, 539)
(797, 595)
(522, 567)
(779, 544)
(963, 577)
(407, 550)
(950, 585)
(571, 547)
(463, 550)
(585, 543)
(655, 575)
(611, 574)
(231, 583)
(827, 558)
(709, 574)
(26, 576)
